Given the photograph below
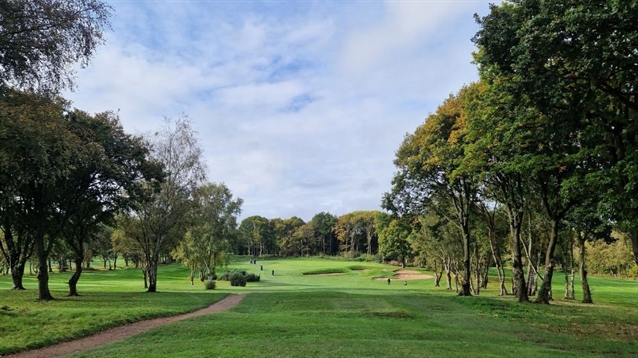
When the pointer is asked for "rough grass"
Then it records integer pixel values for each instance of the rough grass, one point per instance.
(292, 314)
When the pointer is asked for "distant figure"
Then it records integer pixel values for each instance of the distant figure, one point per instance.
(405, 282)
(388, 281)
(273, 272)
(255, 261)
(261, 267)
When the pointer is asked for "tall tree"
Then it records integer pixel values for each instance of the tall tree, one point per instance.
(107, 181)
(577, 60)
(324, 223)
(257, 234)
(38, 153)
(428, 176)
(162, 216)
(499, 142)
(42, 40)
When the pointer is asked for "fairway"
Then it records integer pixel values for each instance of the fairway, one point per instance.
(320, 307)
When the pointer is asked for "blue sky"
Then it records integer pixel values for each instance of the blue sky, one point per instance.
(299, 105)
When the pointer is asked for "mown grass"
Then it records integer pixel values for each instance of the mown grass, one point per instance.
(108, 299)
(292, 314)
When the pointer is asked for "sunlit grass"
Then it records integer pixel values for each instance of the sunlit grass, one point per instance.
(292, 313)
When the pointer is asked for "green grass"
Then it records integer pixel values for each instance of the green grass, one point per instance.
(292, 314)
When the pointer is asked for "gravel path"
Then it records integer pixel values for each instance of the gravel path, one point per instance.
(120, 333)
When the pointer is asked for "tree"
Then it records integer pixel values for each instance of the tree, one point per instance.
(498, 144)
(213, 229)
(283, 232)
(257, 235)
(107, 181)
(576, 64)
(394, 243)
(41, 40)
(160, 220)
(428, 161)
(37, 156)
(323, 224)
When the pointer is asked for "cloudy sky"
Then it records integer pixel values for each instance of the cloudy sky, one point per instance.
(299, 105)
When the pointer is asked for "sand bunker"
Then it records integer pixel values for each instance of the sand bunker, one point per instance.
(404, 274)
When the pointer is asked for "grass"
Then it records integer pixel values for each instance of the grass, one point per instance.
(292, 314)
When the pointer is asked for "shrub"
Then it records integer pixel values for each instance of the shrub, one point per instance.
(239, 277)
(210, 285)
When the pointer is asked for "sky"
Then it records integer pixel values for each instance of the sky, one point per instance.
(299, 106)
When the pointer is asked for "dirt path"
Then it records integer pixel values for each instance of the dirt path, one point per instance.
(120, 333)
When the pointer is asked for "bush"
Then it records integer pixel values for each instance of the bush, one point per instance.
(210, 285)
(239, 277)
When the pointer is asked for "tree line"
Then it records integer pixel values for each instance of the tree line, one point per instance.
(537, 156)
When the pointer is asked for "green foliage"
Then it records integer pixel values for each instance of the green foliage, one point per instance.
(210, 285)
(613, 258)
(239, 277)
(41, 41)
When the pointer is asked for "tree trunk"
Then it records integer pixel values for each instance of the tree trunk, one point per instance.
(73, 281)
(145, 273)
(568, 293)
(467, 267)
(152, 277)
(448, 276)
(571, 282)
(518, 275)
(633, 235)
(17, 272)
(43, 269)
(438, 274)
(486, 272)
(582, 270)
(544, 294)
(192, 277)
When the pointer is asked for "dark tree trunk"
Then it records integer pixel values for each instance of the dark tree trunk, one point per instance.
(73, 281)
(152, 276)
(43, 269)
(633, 235)
(192, 277)
(467, 267)
(544, 294)
(17, 273)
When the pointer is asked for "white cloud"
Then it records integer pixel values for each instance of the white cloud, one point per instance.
(299, 106)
